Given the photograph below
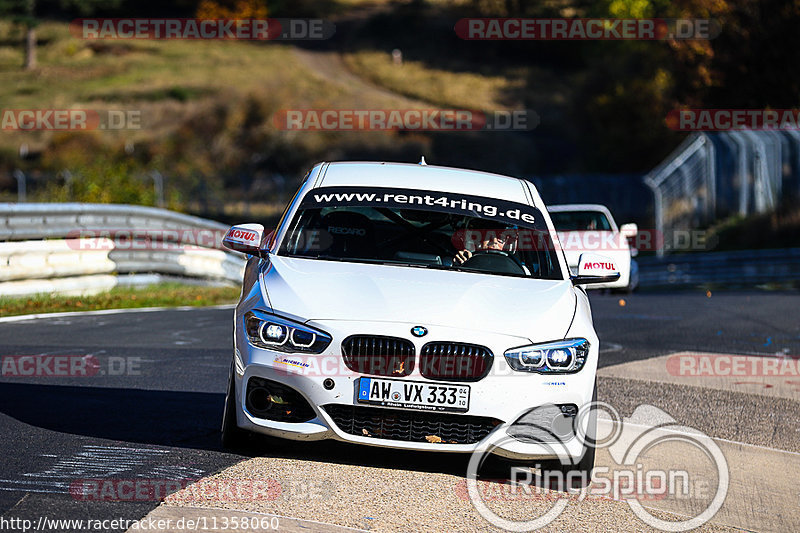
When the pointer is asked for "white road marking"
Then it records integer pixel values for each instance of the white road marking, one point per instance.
(610, 347)
(21, 318)
(99, 462)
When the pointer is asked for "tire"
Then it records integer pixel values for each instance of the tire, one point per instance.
(232, 436)
(583, 468)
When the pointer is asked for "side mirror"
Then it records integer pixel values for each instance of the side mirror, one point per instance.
(629, 231)
(595, 268)
(245, 238)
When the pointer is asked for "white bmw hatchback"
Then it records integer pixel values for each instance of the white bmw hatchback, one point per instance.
(415, 307)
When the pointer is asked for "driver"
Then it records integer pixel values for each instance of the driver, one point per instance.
(492, 242)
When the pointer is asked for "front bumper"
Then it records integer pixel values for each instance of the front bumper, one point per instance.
(503, 395)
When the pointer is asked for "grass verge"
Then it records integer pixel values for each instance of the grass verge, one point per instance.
(440, 87)
(160, 295)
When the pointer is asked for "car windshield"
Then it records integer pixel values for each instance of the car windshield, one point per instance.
(422, 229)
(580, 221)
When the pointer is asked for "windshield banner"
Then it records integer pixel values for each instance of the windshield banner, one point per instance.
(502, 211)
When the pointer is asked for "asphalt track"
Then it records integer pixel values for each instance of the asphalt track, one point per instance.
(158, 417)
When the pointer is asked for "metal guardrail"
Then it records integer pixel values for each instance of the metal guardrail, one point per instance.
(39, 221)
(735, 268)
(84, 248)
(52, 258)
(715, 175)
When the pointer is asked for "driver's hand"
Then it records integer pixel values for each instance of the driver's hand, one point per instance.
(462, 256)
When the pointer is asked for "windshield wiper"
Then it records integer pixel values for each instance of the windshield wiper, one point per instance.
(390, 262)
(326, 257)
(451, 267)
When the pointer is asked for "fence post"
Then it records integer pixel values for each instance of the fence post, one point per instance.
(22, 190)
(67, 175)
(711, 179)
(158, 187)
(741, 171)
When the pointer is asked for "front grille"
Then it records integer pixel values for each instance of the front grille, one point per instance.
(271, 400)
(455, 361)
(380, 356)
(413, 426)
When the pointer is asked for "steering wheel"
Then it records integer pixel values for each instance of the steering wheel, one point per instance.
(495, 261)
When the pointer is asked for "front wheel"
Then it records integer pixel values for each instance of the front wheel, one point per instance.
(232, 435)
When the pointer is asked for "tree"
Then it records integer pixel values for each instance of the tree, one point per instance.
(21, 13)
(24, 13)
(232, 9)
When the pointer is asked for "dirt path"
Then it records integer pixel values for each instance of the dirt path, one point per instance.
(329, 67)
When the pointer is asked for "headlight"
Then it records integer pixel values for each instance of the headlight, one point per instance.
(277, 333)
(557, 357)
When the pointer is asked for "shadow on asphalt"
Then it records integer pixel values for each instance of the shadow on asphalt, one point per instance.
(163, 418)
(190, 420)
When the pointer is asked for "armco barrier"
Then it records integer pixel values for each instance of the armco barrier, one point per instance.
(735, 268)
(39, 251)
(213, 264)
(52, 259)
(59, 221)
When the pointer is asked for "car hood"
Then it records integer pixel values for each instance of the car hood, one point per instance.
(309, 289)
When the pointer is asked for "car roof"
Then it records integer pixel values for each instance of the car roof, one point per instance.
(424, 177)
(577, 207)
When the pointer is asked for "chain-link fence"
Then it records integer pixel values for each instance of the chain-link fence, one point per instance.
(716, 175)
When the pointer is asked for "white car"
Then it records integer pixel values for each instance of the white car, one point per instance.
(591, 228)
(358, 322)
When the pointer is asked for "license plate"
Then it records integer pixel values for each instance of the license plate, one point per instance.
(413, 394)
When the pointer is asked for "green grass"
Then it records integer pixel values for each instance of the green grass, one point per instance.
(165, 80)
(161, 295)
(779, 229)
(444, 88)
